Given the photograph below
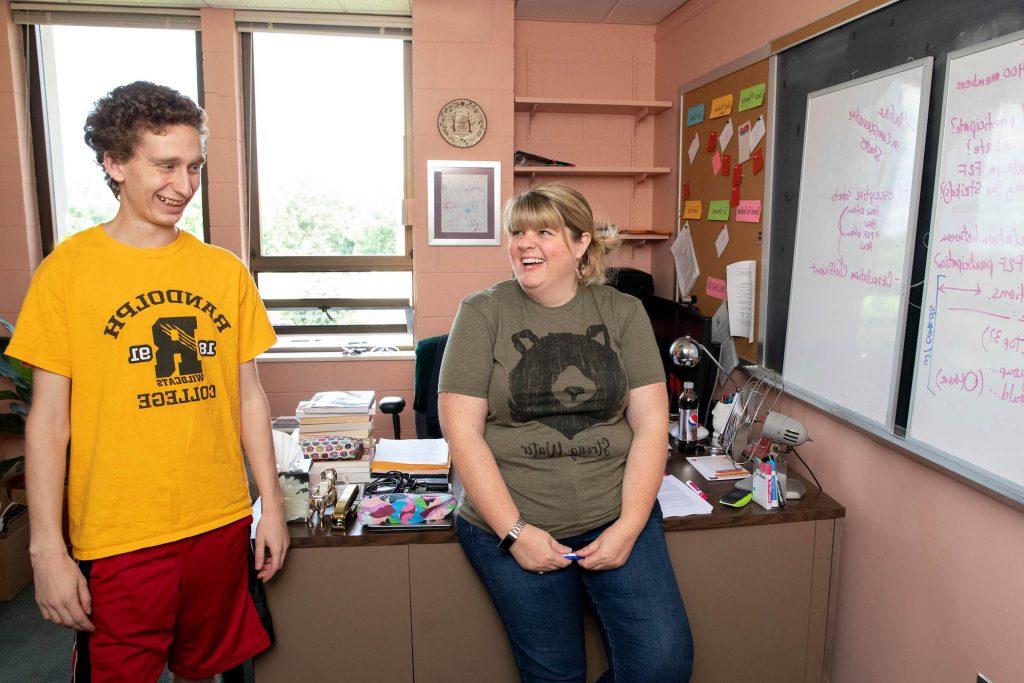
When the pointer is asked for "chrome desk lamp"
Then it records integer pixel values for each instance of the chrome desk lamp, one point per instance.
(685, 353)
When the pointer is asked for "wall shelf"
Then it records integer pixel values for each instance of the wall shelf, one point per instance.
(643, 236)
(637, 172)
(637, 108)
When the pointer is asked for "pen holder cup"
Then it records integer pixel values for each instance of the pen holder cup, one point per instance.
(769, 485)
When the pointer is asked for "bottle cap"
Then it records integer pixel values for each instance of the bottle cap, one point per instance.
(687, 385)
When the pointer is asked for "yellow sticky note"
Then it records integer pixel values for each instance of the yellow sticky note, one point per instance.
(692, 209)
(721, 106)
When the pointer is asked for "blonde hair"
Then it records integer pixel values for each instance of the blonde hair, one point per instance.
(563, 208)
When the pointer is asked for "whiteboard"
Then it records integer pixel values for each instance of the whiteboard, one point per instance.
(857, 207)
(968, 394)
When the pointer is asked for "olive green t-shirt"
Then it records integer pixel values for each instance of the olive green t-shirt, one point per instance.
(556, 381)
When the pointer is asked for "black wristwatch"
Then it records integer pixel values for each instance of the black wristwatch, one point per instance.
(512, 535)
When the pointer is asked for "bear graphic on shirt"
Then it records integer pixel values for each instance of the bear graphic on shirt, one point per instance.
(566, 381)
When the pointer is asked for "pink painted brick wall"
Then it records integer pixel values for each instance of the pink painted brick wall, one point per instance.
(928, 567)
(461, 48)
(225, 154)
(591, 61)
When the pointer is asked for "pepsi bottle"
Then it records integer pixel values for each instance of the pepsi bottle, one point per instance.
(688, 418)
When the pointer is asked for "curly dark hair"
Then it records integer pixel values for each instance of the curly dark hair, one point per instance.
(118, 119)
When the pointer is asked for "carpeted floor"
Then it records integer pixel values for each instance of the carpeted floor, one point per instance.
(31, 648)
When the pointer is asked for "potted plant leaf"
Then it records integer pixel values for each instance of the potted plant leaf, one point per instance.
(13, 420)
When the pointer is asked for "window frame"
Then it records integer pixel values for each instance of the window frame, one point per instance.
(42, 143)
(258, 263)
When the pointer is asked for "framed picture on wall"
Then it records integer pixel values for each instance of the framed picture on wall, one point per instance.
(462, 202)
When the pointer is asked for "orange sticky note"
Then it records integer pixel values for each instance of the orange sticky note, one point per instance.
(692, 209)
(721, 106)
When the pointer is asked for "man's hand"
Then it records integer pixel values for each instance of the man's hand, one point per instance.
(61, 591)
(610, 550)
(271, 544)
(537, 551)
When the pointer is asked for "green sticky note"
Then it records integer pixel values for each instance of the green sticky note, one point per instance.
(718, 210)
(751, 97)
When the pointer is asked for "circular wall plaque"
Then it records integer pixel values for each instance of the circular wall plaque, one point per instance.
(462, 123)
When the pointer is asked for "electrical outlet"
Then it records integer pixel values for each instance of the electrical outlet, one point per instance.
(982, 678)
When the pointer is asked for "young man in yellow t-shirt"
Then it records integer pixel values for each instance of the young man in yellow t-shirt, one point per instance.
(143, 342)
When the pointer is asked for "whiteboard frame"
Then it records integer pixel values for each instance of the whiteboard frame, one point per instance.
(954, 463)
(807, 395)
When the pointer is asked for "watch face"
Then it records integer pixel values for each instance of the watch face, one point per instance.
(462, 123)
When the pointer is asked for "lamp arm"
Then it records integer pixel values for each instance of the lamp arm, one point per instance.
(715, 361)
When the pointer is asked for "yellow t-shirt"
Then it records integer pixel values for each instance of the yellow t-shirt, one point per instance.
(152, 340)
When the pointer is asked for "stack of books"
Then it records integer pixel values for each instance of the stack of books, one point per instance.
(338, 413)
(326, 422)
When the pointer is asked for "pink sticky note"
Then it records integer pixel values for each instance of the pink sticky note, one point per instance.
(749, 211)
(716, 162)
(716, 288)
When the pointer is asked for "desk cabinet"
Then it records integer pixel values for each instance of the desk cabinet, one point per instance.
(397, 607)
(340, 614)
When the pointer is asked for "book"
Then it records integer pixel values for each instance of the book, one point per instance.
(307, 428)
(343, 402)
(354, 418)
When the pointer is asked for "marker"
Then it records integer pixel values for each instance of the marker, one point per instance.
(696, 489)
(731, 473)
(572, 556)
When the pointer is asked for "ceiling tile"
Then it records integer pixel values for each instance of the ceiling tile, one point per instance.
(564, 10)
(642, 11)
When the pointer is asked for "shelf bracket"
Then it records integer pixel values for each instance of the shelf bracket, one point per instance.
(639, 178)
(529, 120)
(640, 116)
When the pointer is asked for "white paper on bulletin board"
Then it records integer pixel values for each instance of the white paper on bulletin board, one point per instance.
(857, 211)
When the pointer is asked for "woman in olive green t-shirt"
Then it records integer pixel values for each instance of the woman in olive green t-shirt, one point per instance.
(553, 400)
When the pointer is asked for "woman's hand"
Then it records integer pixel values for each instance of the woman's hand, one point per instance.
(610, 550)
(537, 551)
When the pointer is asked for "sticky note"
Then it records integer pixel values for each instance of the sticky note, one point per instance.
(716, 162)
(749, 211)
(716, 288)
(721, 106)
(695, 114)
(718, 210)
(694, 147)
(752, 97)
(692, 209)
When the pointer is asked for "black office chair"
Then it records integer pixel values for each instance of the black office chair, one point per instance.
(429, 353)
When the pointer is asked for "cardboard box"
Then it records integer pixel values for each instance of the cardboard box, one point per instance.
(15, 565)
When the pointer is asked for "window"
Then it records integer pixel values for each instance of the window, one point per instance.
(77, 66)
(328, 160)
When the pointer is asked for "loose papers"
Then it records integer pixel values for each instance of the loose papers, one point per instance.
(678, 500)
(687, 270)
(740, 283)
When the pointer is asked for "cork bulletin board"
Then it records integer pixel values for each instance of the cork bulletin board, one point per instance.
(701, 184)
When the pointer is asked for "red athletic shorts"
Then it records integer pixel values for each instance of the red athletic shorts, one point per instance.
(185, 604)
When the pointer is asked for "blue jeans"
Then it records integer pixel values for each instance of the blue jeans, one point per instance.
(638, 609)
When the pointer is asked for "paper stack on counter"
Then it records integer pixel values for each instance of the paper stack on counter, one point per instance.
(678, 500)
(412, 456)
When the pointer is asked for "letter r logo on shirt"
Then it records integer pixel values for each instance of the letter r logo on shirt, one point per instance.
(176, 337)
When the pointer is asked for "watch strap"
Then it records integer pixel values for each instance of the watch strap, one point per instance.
(512, 536)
